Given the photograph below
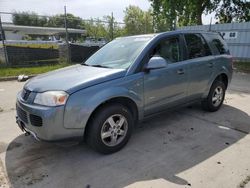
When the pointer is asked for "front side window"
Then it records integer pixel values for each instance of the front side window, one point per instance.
(196, 46)
(169, 49)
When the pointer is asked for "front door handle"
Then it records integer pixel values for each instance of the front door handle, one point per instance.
(180, 71)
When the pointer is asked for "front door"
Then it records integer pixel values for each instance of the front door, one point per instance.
(166, 87)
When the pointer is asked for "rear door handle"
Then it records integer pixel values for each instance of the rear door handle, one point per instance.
(180, 71)
(210, 65)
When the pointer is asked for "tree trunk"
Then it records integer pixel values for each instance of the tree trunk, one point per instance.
(199, 18)
(199, 12)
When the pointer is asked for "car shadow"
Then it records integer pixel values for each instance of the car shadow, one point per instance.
(160, 147)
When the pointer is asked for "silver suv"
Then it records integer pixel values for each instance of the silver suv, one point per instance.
(125, 81)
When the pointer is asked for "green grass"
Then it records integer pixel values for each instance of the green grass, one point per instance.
(6, 71)
(242, 66)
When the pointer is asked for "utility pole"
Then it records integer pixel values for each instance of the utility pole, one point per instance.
(3, 43)
(67, 34)
(112, 26)
(210, 24)
(174, 27)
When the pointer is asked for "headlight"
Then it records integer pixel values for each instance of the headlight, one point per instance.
(51, 98)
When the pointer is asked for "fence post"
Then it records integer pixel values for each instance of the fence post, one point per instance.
(3, 43)
(67, 35)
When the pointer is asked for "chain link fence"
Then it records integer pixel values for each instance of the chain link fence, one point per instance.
(35, 40)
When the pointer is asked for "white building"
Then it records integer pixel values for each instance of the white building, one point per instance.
(237, 36)
(19, 32)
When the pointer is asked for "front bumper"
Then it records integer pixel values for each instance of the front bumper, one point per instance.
(23, 128)
(49, 124)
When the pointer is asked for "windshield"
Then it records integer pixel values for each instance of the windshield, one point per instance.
(118, 54)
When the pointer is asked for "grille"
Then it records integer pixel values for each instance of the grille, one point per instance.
(22, 115)
(36, 120)
(25, 94)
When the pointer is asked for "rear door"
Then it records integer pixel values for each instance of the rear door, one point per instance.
(200, 64)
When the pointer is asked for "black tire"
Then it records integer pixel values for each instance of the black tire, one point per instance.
(208, 104)
(99, 122)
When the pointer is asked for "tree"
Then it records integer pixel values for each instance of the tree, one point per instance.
(95, 27)
(169, 13)
(137, 21)
(72, 21)
(233, 10)
(32, 19)
(29, 19)
(104, 27)
(164, 14)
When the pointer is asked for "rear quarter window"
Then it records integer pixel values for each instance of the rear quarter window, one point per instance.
(218, 43)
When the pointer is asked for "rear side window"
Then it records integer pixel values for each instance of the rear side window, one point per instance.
(219, 44)
(196, 46)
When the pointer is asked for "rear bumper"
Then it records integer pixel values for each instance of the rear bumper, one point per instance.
(49, 123)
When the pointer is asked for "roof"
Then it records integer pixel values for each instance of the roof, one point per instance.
(166, 33)
(40, 30)
(234, 26)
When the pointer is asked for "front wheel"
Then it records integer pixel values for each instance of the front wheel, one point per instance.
(110, 128)
(215, 97)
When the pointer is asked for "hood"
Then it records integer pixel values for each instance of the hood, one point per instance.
(72, 78)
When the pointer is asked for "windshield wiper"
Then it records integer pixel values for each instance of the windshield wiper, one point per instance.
(103, 66)
(99, 66)
(84, 64)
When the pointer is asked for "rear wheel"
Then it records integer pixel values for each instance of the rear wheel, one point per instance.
(215, 97)
(110, 128)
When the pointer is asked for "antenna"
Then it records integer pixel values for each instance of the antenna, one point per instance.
(210, 25)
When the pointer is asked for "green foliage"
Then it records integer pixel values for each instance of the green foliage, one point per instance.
(32, 19)
(95, 27)
(72, 21)
(171, 13)
(164, 13)
(28, 18)
(233, 11)
(242, 66)
(137, 21)
(5, 71)
(98, 28)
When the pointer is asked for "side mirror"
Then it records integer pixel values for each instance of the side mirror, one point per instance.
(156, 62)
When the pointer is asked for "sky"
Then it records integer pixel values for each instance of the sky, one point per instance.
(82, 8)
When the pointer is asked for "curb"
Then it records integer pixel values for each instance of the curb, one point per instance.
(11, 78)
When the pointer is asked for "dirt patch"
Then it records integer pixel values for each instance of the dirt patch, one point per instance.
(244, 182)
(3, 147)
(3, 180)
